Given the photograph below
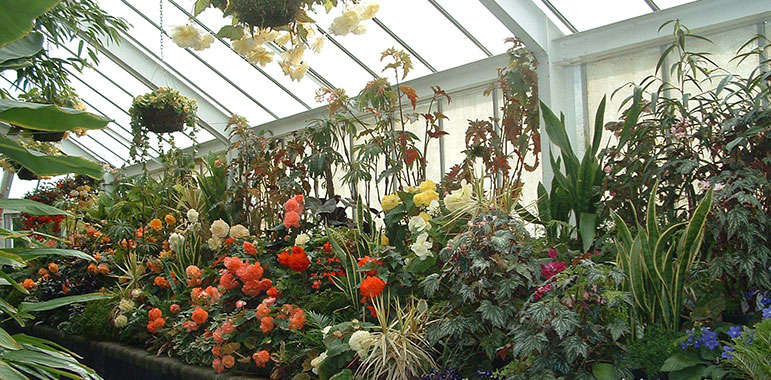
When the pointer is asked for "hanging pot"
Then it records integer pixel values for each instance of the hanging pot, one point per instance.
(47, 136)
(162, 120)
(266, 13)
(26, 174)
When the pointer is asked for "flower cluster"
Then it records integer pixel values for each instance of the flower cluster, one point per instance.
(704, 337)
(350, 20)
(156, 320)
(295, 259)
(222, 233)
(293, 209)
(462, 199)
(249, 274)
(188, 36)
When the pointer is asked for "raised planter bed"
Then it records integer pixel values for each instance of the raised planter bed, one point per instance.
(114, 361)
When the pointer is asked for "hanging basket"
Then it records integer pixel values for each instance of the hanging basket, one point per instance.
(266, 13)
(26, 174)
(47, 136)
(162, 120)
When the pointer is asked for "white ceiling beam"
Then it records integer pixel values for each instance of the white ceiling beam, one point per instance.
(527, 21)
(642, 32)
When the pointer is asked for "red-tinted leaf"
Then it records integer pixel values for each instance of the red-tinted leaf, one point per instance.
(411, 94)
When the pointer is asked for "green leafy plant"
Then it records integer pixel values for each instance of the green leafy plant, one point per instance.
(164, 110)
(749, 353)
(657, 262)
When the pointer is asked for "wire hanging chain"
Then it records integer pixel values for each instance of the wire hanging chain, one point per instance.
(160, 6)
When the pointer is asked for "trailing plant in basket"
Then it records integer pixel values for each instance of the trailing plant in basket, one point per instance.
(164, 110)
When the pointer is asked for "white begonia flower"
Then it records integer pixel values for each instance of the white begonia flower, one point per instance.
(370, 11)
(325, 330)
(126, 305)
(417, 224)
(360, 342)
(238, 231)
(219, 228)
(245, 46)
(283, 39)
(215, 243)
(185, 36)
(294, 56)
(359, 29)
(316, 362)
(318, 44)
(204, 42)
(120, 321)
(192, 215)
(433, 208)
(301, 240)
(422, 246)
(460, 198)
(136, 293)
(175, 241)
(299, 72)
(261, 56)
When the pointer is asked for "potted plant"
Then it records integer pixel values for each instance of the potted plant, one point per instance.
(265, 13)
(164, 110)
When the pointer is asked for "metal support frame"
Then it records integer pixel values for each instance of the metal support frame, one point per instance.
(409, 48)
(643, 31)
(460, 27)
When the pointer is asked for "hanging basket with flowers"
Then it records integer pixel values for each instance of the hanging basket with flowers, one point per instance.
(162, 111)
(265, 13)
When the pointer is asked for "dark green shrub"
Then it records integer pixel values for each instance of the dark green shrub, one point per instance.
(650, 352)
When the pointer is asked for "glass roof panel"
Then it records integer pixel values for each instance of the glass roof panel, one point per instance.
(480, 22)
(590, 14)
(428, 32)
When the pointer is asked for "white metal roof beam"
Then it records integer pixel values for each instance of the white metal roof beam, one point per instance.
(641, 32)
(526, 21)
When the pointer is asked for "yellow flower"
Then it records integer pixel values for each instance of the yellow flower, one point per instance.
(390, 201)
(411, 189)
(299, 72)
(156, 224)
(245, 45)
(424, 198)
(384, 241)
(318, 44)
(427, 185)
(425, 216)
(370, 11)
(170, 219)
(203, 43)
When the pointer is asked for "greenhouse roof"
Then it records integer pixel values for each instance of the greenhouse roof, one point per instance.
(453, 43)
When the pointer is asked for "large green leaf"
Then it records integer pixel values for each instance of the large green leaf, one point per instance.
(49, 165)
(33, 253)
(48, 117)
(587, 228)
(17, 17)
(598, 126)
(30, 207)
(10, 259)
(7, 341)
(26, 307)
(13, 282)
(17, 53)
(555, 128)
(604, 371)
(8, 373)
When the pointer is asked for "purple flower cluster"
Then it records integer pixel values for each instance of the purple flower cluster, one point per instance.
(735, 331)
(442, 374)
(490, 375)
(705, 337)
(727, 353)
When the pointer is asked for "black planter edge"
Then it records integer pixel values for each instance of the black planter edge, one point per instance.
(135, 356)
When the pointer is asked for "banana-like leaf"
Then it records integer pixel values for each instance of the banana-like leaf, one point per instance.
(17, 17)
(49, 165)
(48, 117)
(33, 253)
(50, 359)
(11, 259)
(17, 54)
(26, 307)
(30, 207)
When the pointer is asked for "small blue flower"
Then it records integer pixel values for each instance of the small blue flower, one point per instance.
(765, 301)
(735, 331)
(767, 313)
(727, 353)
(683, 346)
